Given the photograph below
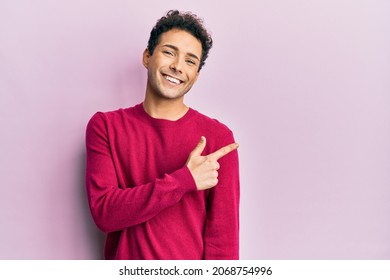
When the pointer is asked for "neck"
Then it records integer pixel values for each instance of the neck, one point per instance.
(168, 109)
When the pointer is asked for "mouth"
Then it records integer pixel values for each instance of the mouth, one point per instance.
(173, 80)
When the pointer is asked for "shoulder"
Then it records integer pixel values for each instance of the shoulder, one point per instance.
(212, 125)
(112, 117)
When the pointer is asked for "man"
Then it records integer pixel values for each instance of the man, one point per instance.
(162, 179)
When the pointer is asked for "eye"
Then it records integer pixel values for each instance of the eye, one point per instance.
(191, 62)
(168, 53)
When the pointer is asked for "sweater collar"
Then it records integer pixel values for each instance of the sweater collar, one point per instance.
(144, 116)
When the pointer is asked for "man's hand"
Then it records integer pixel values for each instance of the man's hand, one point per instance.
(204, 169)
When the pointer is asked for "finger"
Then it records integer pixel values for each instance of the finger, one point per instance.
(223, 151)
(200, 147)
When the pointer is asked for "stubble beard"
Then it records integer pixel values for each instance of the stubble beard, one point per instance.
(158, 90)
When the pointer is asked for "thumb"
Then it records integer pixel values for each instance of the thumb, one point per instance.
(200, 147)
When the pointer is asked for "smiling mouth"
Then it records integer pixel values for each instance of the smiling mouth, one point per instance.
(172, 79)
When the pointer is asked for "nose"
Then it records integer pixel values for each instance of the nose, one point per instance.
(176, 65)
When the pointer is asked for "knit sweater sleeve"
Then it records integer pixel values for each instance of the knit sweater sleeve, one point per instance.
(221, 235)
(114, 208)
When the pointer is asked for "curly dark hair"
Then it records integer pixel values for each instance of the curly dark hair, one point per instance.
(184, 21)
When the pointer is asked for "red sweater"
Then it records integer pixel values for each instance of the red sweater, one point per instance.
(142, 194)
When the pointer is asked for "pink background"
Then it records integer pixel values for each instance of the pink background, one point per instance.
(303, 84)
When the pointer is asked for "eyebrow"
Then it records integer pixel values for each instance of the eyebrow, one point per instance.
(177, 49)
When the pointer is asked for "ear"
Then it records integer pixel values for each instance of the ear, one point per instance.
(145, 58)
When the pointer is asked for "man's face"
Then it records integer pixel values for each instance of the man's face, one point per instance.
(173, 67)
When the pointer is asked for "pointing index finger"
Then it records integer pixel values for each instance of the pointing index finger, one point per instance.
(223, 151)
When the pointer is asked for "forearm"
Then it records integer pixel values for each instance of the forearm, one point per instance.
(114, 209)
(221, 236)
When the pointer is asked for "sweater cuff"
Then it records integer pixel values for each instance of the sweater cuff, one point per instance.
(185, 179)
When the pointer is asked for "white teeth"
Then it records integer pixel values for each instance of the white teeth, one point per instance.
(173, 80)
